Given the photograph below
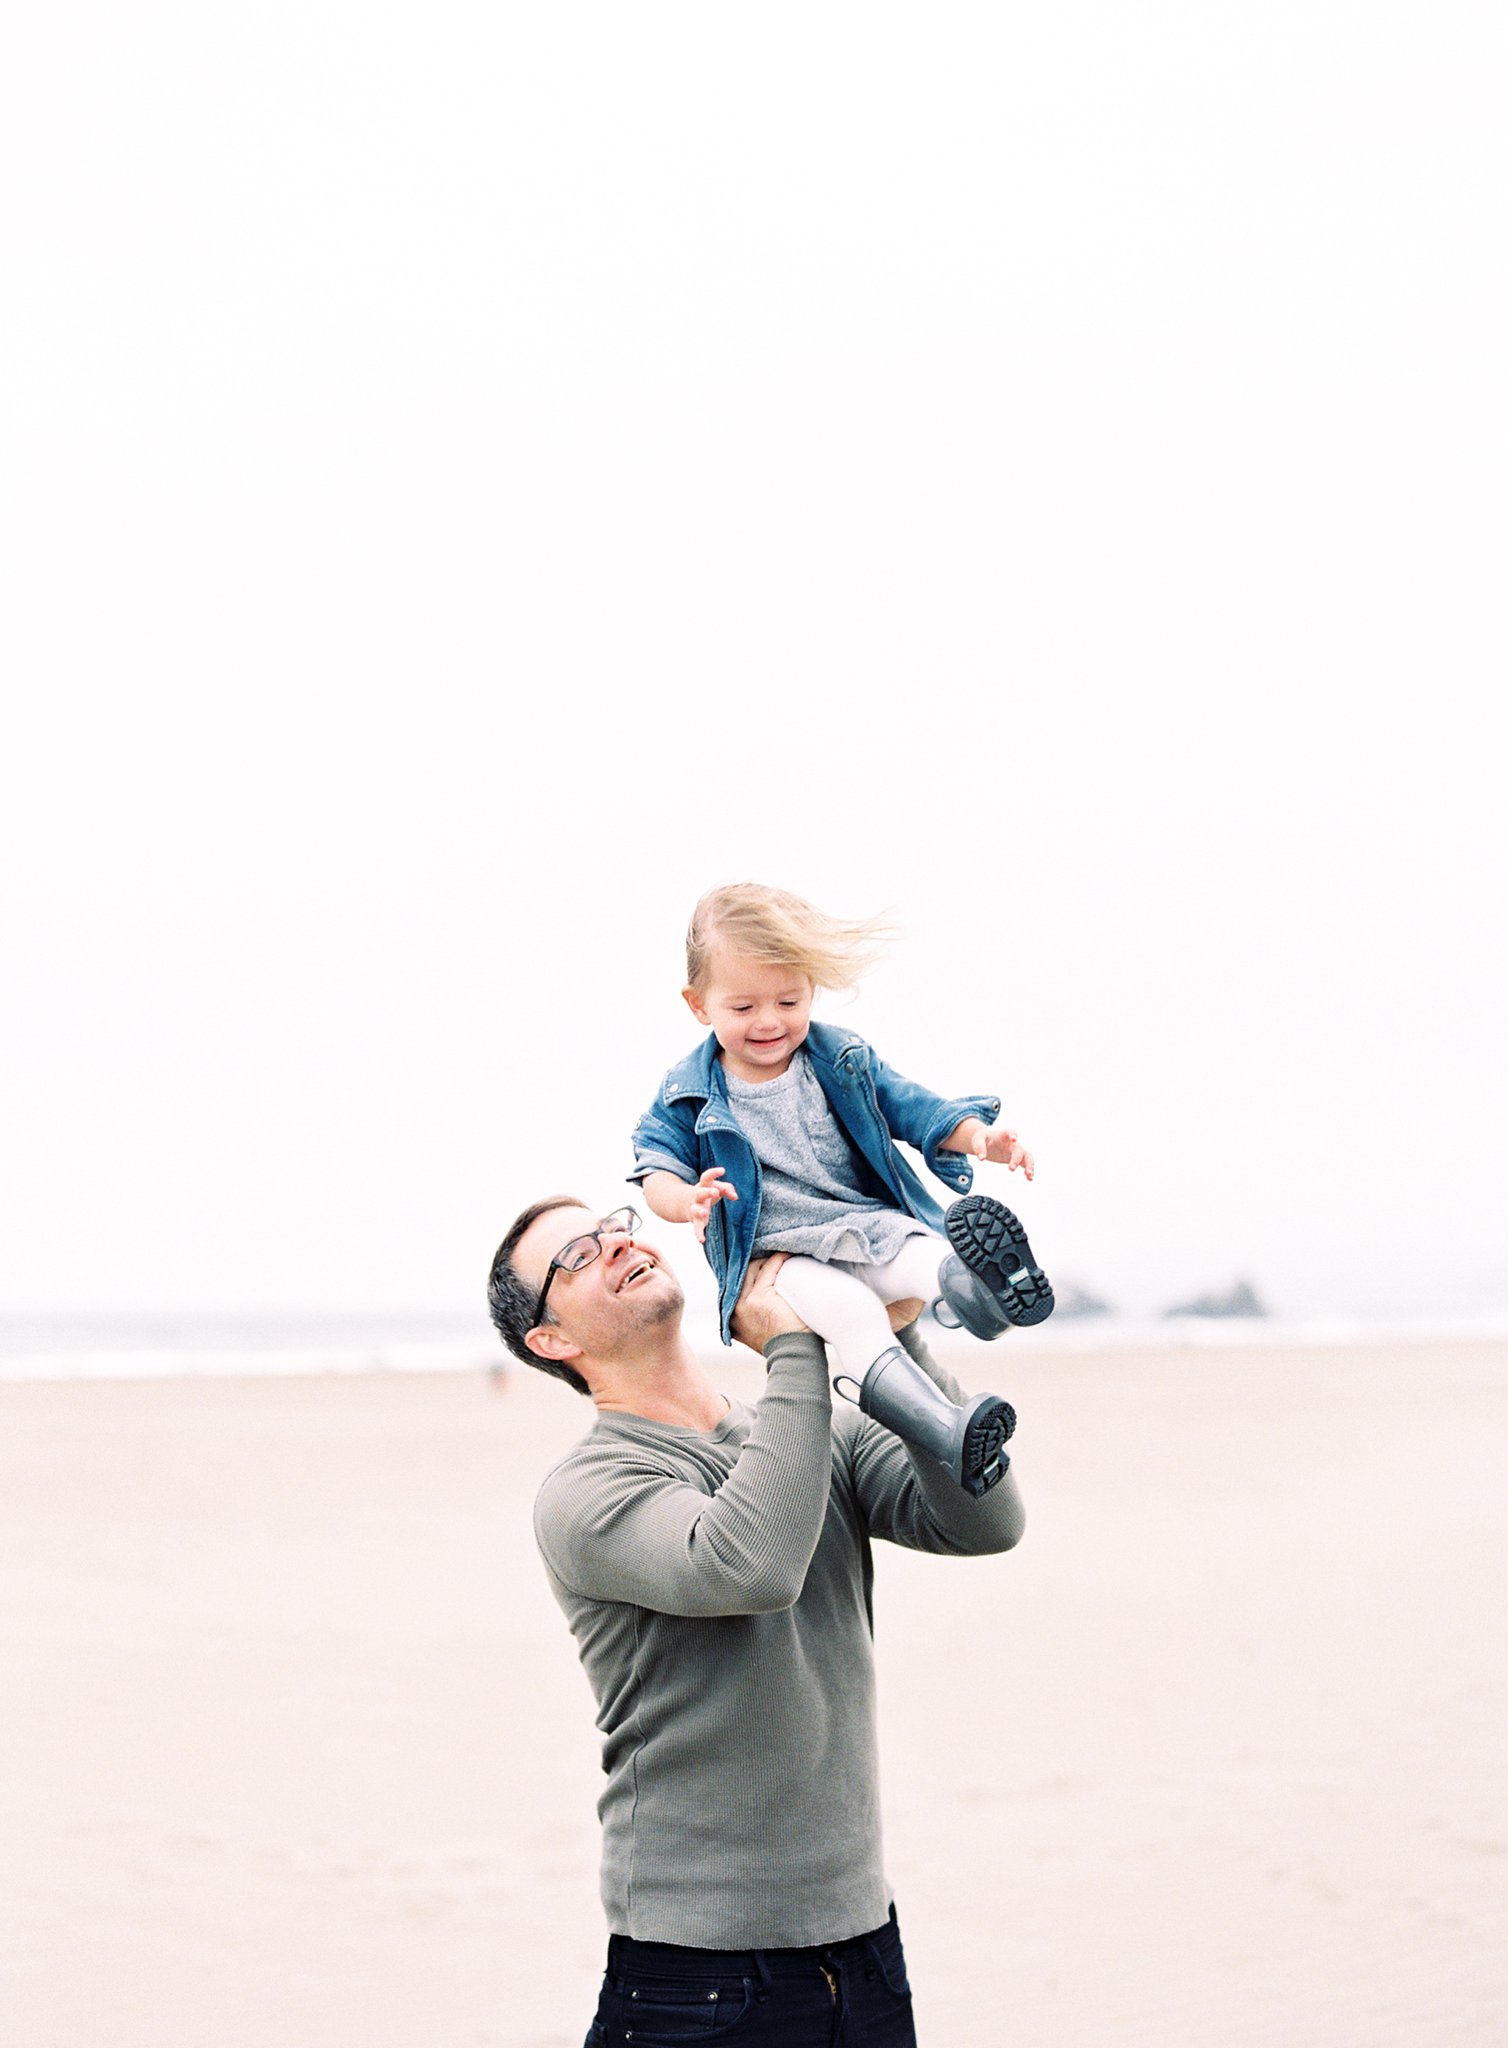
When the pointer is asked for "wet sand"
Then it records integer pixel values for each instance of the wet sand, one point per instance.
(295, 1751)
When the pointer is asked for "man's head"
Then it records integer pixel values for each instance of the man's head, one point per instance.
(602, 1310)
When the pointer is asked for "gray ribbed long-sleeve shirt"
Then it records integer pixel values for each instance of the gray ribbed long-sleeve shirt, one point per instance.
(718, 1584)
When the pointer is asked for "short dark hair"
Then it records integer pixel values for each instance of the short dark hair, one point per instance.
(511, 1299)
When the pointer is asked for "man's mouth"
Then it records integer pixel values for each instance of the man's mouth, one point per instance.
(637, 1272)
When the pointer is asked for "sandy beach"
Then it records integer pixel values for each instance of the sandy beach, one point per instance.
(295, 1751)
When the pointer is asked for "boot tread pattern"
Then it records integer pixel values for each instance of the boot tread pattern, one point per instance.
(990, 1241)
(984, 1462)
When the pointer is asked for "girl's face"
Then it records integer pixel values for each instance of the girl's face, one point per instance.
(759, 1010)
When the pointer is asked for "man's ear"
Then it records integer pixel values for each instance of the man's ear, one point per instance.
(696, 1006)
(546, 1341)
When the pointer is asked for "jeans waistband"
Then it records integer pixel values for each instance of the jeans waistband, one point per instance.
(667, 1959)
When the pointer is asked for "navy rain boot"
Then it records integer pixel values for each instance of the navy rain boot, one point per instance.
(970, 1441)
(1000, 1282)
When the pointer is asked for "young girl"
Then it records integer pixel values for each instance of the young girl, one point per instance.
(778, 1134)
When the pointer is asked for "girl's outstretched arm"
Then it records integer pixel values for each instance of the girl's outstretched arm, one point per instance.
(1002, 1146)
(677, 1201)
(929, 1122)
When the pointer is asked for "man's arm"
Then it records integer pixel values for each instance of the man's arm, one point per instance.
(907, 1498)
(626, 1529)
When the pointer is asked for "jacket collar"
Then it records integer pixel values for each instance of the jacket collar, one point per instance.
(697, 1078)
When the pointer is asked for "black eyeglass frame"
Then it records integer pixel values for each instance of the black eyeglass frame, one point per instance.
(626, 1228)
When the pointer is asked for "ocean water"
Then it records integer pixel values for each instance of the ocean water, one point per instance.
(202, 1347)
(43, 1348)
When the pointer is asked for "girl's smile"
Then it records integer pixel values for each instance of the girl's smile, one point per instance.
(759, 1009)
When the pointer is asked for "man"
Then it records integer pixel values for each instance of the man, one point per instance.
(713, 1561)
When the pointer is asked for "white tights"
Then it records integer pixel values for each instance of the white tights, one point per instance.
(844, 1301)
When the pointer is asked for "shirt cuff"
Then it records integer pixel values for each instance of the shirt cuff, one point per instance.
(661, 1162)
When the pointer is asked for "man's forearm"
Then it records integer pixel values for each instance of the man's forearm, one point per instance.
(746, 1549)
(749, 1548)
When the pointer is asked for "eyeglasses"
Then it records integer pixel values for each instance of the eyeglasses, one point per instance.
(582, 1250)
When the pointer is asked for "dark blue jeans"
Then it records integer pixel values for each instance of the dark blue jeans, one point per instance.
(845, 1994)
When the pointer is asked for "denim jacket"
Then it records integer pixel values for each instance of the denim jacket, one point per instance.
(693, 1126)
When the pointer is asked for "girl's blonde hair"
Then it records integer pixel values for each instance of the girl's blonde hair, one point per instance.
(786, 930)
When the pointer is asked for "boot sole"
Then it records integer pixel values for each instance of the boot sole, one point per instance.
(984, 1462)
(992, 1244)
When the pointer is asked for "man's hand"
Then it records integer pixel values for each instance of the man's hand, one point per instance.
(704, 1198)
(903, 1312)
(761, 1313)
(998, 1144)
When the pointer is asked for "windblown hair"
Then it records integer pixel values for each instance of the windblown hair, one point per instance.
(511, 1300)
(786, 930)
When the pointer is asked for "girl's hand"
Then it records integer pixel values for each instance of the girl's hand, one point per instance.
(705, 1196)
(1001, 1146)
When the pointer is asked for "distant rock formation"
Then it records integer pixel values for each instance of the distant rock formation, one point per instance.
(1242, 1300)
(1078, 1301)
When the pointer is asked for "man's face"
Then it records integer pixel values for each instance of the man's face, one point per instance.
(607, 1304)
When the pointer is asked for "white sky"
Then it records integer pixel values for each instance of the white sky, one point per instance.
(474, 477)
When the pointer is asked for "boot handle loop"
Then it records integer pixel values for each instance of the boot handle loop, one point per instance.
(838, 1387)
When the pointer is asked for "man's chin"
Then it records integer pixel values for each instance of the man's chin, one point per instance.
(662, 1300)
